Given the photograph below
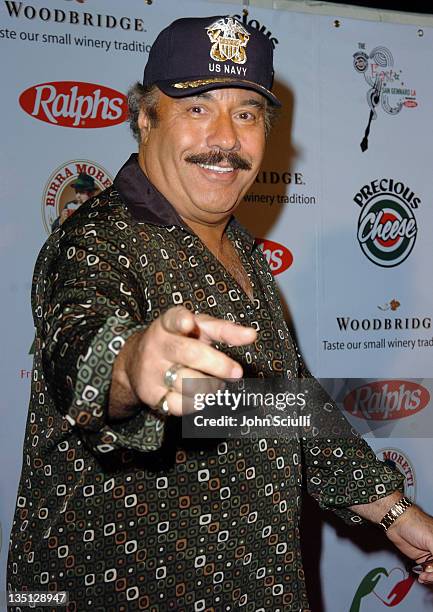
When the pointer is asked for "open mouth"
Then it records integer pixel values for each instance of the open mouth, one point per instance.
(219, 169)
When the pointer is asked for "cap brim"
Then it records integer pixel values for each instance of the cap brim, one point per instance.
(192, 87)
(81, 188)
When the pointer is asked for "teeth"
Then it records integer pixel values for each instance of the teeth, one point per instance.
(215, 168)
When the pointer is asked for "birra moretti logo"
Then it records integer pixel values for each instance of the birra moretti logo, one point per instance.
(74, 104)
(387, 227)
(60, 199)
(397, 459)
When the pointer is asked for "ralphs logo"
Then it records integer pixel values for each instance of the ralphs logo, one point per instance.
(278, 256)
(74, 104)
(386, 399)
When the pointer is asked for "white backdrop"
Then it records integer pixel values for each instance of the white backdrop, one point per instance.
(360, 309)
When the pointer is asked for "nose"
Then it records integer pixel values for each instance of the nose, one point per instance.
(223, 133)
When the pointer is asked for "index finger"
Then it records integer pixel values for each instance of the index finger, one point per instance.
(205, 328)
(220, 330)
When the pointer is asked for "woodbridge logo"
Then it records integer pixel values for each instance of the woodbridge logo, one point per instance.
(74, 104)
(386, 400)
(98, 20)
(349, 324)
(278, 256)
(387, 227)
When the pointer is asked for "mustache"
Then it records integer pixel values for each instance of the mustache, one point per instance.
(216, 157)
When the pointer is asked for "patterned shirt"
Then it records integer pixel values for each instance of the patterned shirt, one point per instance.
(128, 515)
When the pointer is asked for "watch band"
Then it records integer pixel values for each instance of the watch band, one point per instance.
(397, 510)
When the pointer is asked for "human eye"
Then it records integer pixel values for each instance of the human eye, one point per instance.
(196, 109)
(247, 116)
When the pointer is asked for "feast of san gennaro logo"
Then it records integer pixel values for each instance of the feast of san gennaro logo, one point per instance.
(387, 90)
(397, 459)
(387, 226)
(75, 104)
(384, 400)
(69, 186)
(277, 255)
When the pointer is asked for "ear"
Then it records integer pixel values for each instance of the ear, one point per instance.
(144, 125)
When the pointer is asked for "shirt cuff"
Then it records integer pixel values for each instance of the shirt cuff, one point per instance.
(88, 411)
(365, 484)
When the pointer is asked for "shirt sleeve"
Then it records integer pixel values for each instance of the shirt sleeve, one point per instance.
(87, 302)
(341, 469)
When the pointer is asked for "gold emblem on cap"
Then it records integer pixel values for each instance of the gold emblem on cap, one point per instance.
(201, 82)
(229, 40)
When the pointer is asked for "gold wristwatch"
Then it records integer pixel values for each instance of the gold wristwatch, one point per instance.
(397, 510)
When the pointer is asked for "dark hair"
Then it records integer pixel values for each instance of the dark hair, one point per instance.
(140, 97)
(271, 116)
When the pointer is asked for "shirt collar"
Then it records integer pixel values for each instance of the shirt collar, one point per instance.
(144, 202)
(147, 205)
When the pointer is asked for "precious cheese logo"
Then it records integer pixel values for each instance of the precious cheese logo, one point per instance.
(247, 20)
(278, 256)
(387, 227)
(75, 104)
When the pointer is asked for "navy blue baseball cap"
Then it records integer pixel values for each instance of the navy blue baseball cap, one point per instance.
(193, 55)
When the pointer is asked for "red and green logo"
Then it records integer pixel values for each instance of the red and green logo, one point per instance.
(278, 256)
(387, 231)
(389, 587)
(387, 227)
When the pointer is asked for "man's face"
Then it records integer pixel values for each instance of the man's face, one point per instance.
(82, 196)
(205, 151)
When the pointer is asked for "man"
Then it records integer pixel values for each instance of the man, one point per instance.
(152, 282)
(85, 188)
